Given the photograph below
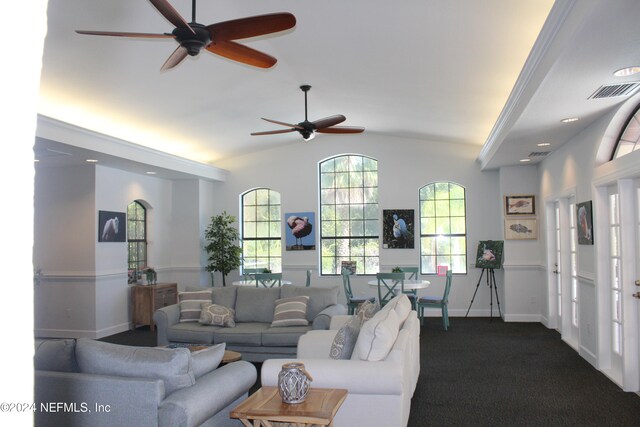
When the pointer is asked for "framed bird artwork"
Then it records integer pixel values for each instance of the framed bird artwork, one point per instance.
(299, 231)
(398, 228)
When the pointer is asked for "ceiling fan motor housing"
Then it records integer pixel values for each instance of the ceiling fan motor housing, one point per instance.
(192, 42)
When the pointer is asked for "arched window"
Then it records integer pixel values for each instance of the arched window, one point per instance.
(349, 224)
(629, 140)
(261, 230)
(443, 229)
(137, 236)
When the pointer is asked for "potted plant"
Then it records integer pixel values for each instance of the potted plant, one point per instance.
(222, 247)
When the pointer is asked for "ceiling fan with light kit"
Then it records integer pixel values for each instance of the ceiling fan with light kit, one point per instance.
(217, 38)
(308, 129)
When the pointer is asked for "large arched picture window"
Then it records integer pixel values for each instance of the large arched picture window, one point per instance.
(349, 223)
(443, 229)
(261, 230)
(629, 140)
(137, 236)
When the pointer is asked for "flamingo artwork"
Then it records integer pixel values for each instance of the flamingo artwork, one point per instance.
(300, 227)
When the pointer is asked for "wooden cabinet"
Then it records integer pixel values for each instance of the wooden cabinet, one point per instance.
(147, 299)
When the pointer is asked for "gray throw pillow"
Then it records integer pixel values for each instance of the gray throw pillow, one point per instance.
(291, 312)
(217, 315)
(205, 361)
(345, 340)
(191, 304)
(367, 310)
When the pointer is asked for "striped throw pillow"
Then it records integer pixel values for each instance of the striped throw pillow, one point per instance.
(291, 312)
(191, 304)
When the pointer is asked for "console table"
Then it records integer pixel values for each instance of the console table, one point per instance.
(146, 299)
(265, 408)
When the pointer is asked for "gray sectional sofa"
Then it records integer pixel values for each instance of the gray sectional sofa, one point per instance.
(92, 383)
(252, 335)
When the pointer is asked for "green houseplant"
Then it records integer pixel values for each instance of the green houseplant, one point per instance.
(222, 247)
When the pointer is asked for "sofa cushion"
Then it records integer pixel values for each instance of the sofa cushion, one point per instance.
(191, 304)
(256, 304)
(290, 312)
(245, 333)
(173, 366)
(206, 360)
(283, 336)
(377, 336)
(345, 340)
(191, 332)
(55, 355)
(319, 298)
(225, 296)
(217, 315)
(402, 306)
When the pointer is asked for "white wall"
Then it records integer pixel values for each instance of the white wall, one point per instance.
(83, 288)
(404, 166)
(524, 286)
(65, 227)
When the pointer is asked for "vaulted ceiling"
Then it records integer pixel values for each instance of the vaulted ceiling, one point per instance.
(495, 75)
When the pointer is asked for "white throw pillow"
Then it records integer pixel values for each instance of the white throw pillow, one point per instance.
(401, 305)
(377, 336)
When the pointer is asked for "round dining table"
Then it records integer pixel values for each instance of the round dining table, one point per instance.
(251, 282)
(409, 284)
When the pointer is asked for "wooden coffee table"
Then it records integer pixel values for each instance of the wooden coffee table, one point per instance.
(265, 408)
(229, 355)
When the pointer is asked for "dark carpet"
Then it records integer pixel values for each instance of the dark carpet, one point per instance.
(485, 372)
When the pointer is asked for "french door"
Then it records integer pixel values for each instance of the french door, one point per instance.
(620, 349)
(563, 301)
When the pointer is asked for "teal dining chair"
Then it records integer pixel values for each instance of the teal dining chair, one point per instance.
(392, 284)
(435, 302)
(352, 302)
(268, 280)
(308, 278)
(410, 273)
(250, 273)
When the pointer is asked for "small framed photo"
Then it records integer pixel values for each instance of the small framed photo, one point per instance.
(520, 229)
(112, 226)
(520, 205)
(585, 223)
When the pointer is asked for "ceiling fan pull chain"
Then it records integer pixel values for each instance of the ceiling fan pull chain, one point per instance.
(193, 11)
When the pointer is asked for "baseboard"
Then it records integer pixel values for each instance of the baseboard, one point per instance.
(588, 356)
(522, 318)
(76, 333)
(64, 333)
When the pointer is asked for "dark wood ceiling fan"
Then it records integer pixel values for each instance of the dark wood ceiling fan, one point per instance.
(308, 129)
(216, 38)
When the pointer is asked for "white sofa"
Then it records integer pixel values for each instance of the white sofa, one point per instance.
(379, 391)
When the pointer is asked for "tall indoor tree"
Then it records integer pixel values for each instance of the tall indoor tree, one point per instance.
(222, 245)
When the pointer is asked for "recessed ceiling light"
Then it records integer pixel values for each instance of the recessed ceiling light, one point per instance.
(623, 72)
(91, 161)
(151, 173)
(525, 160)
(543, 144)
(570, 119)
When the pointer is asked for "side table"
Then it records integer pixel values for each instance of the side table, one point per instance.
(265, 407)
(146, 299)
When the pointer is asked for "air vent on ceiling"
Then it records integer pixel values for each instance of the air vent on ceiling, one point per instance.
(538, 153)
(609, 91)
